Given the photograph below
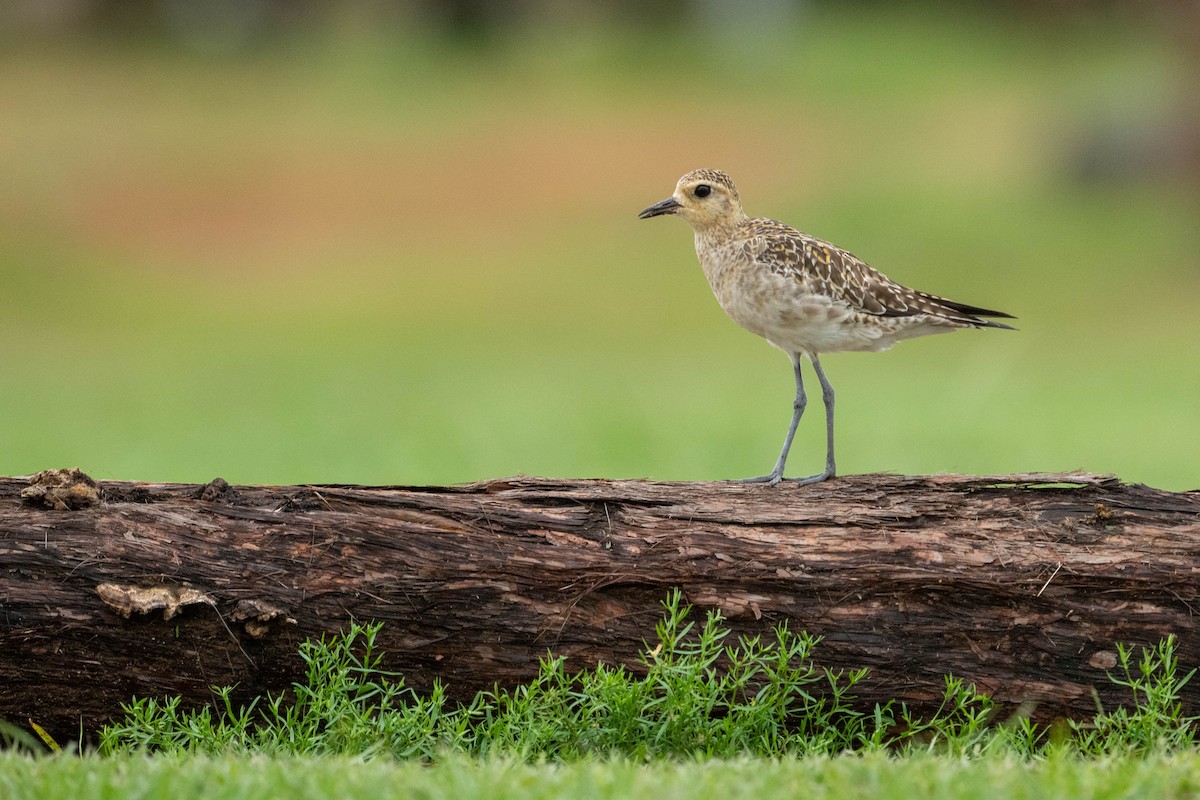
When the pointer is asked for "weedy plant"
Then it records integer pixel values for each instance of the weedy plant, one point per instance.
(1155, 722)
(695, 694)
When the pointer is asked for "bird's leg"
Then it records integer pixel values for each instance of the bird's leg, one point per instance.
(797, 412)
(827, 396)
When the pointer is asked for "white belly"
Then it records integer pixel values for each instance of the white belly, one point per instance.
(776, 308)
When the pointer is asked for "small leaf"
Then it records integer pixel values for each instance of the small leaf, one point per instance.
(45, 737)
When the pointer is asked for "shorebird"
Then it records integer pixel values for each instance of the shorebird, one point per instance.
(802, 294)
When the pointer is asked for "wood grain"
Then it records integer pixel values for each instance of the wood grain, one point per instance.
(1019, 583)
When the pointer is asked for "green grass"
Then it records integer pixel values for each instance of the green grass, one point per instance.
(877, 776)
(707, 718)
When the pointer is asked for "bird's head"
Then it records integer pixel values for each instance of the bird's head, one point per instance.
(704, 198)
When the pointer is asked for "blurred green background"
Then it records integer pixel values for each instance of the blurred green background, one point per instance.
(396, 242)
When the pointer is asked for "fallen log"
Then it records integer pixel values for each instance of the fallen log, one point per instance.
(1019, 583)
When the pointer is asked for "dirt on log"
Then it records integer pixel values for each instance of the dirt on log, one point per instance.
(1019, 583)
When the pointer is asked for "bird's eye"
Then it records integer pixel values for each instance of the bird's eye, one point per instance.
(703, 190)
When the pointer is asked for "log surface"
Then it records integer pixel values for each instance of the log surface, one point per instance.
(1019, 583)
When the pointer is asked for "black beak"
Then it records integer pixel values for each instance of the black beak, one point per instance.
(668, 206)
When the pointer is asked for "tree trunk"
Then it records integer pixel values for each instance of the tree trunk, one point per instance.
(1019, 583)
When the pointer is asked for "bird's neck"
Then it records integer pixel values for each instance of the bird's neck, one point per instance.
(714, 249)
(718, 232)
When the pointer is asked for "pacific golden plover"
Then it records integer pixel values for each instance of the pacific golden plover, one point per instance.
(801, 294)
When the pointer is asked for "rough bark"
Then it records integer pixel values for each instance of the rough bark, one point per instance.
(1019, 583)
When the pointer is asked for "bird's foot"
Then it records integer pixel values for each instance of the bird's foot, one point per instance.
(775, 478)
(820, 476)
(769, 480)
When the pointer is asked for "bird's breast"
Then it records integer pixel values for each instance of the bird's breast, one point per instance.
(782, 309)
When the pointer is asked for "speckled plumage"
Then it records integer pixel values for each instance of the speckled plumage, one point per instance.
(802, 294)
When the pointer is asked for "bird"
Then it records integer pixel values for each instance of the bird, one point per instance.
(802, 294)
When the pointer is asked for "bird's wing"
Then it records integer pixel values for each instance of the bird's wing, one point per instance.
(830, 271)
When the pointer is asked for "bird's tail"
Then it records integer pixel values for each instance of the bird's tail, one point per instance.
(975, 313)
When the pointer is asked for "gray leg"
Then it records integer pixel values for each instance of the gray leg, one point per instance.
(797, 412)
(827, 396)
